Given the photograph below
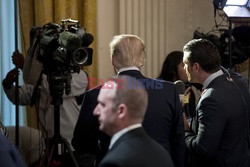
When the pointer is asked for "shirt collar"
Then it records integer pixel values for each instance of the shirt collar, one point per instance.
(117, 135)
(128, 68)
(211, 78)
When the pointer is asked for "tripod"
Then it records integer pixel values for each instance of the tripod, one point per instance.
(59, 148)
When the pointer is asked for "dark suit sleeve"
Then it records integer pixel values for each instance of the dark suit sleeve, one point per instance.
(85, 136)
(87, 139)
(10, 157)
(211, 122)
(177, 141)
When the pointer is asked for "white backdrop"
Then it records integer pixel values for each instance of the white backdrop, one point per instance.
(164, 25)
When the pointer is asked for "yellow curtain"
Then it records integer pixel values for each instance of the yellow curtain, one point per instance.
(40, 12)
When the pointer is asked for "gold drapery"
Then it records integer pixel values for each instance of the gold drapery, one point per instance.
(40, 12)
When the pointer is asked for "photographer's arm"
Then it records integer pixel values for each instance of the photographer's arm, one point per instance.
(78, 83)
(10, 79)
(25, 92)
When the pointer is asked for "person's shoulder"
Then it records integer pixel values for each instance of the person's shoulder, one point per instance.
(157, 86)
(166, 84)
(163, 82)
(114, 157)
(93, 91)
(81, 74)
(110, 162)
(239, 77)
(9, 153)
(152, 84)
(135, 143)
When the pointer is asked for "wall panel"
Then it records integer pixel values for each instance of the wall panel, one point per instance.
(164, 25)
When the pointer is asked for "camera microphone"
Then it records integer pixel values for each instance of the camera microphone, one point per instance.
(180, 86)
(87, 39)
(69, 41)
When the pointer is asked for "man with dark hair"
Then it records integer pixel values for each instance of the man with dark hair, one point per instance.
(218, 134)
(163, 121)
(121, 108)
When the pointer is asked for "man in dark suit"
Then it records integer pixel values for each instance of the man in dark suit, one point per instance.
(163, 120)
(218, 134)
(122, 104)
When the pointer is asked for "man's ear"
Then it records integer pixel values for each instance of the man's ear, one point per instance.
(122, 111)
(196, 66)
(115, 70)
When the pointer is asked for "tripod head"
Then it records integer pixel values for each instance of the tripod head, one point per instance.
(59, 82)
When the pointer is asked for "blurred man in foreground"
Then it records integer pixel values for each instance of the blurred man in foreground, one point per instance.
(121, 107)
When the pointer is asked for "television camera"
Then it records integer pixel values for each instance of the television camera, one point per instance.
(62, 50)
(57, 51)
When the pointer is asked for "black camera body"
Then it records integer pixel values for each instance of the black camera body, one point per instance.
(62, 47)
(62, 50)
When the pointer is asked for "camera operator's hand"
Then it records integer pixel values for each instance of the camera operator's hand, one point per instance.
(10, 78)
(18, 59)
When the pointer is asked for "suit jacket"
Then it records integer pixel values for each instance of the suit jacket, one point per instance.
(10, 157)
(135, 148)
(163, 120)
(218, 135)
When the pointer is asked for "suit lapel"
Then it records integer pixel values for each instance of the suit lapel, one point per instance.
(195, 123)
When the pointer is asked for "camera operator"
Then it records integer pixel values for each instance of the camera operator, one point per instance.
(39, 95)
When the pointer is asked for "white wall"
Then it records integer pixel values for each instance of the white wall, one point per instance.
(107, 27)
(171, 23)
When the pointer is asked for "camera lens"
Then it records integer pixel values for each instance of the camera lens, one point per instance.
(80, 56)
